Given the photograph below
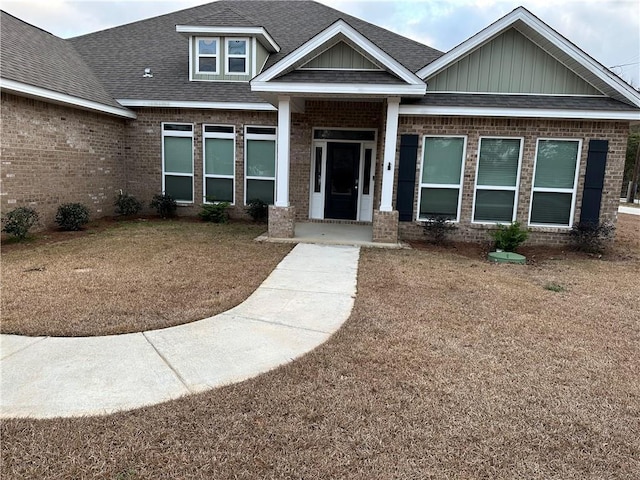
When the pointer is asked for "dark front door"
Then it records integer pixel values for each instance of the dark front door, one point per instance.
(341, 193)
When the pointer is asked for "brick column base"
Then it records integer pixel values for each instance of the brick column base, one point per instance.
(282, 221)
(385, 226)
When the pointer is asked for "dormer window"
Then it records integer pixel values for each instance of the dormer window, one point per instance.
(207, 55)
(237, 54)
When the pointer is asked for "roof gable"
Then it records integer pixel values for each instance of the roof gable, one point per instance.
(550, 41)
(340, 56)
(510, 63)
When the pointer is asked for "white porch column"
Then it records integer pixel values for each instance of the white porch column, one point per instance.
(389, 163)
(282, 162)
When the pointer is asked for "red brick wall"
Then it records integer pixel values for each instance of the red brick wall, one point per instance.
(53, 154)
(531, 130)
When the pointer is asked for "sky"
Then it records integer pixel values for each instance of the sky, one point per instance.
(608, 30)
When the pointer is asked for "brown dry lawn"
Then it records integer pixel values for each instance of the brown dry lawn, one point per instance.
(131, 276)
(449, 368)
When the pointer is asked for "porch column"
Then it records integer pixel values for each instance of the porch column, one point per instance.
(282, 163)
(282, 214)
(389, 163)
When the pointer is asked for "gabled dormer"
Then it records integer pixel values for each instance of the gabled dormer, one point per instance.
(226, 48)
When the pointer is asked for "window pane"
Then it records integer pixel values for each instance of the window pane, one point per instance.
(237, 47)
(551, 208)
(261, 130)
(556, 164)
(207, 64)
(207, 47)
(178, 155)
(219, 190)
(218, 156)
(498, 163)
(366, 176)
(180, 188)
(442, 160)
(237, 64)
(317, 182)
(261, 158)
(260, 189)
(494, 206)
(439, 201)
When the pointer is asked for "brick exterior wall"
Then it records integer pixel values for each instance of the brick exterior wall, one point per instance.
(282, 222)
(53, 154)
(144, 150)
(530, 130)
(385, 226)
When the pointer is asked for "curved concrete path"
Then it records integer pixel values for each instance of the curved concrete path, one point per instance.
(305, 299)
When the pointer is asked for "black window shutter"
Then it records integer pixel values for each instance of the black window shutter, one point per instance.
(406, 177)
(594, 181)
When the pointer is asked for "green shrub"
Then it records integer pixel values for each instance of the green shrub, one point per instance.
(554, 287)
(591, 237)
(72, 216)
(258, 210)
(215, 212)
(19, 221)
(438, 228)
(164, 204)
(509, 238)
(126, 204)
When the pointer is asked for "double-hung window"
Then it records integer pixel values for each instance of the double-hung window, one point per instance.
(207, 55)
(219, 163)
(237, 56)
(497, 180)
(260, 164)
(177, 161)
(554, 182)
(441, 177)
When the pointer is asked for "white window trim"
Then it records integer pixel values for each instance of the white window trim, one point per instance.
(205, 175)
(514, 189)
(442, 185)
(259, 136)
(228, 56)
(207, 55)
(172, 133)
(573, 191)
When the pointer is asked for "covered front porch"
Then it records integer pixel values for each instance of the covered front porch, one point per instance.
(333, 233)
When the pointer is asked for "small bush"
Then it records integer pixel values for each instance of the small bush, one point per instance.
(554, 287)
(127, 205)
(509, 238)
(438, 228)
(72, 216)
(591, 237)
(258, 210)
(19, 221)
(164, 204)
(215, 212)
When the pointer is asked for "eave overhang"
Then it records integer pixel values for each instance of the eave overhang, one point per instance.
(258, 32)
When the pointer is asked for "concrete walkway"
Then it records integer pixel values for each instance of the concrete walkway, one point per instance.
(629, 210)
(304, 300)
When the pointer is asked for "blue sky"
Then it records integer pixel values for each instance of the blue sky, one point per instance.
(608, 30)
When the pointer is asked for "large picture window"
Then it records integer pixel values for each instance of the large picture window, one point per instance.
(441, 177)
(237, 55)
(207, 55)
(554, 182)
(219, 163)
(177, 161)
(497, 180)
(260, 164)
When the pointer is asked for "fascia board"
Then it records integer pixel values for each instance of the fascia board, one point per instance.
(62, 98)
(197, 105)
(418, 110)
(339, 27)
(338, 88)
(260, 32)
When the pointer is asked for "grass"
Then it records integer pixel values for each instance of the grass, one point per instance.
(448, 368)
(131, 276)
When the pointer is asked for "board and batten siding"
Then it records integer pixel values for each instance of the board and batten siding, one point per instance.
(220, 76)
(341, 56)
(510, 63)
(261, 57)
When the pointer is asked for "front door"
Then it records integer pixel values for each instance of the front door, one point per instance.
(341, 192)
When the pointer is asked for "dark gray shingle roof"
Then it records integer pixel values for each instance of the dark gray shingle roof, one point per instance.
(119, 55)
(521, 101)
(37, 58)
(327, 76)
